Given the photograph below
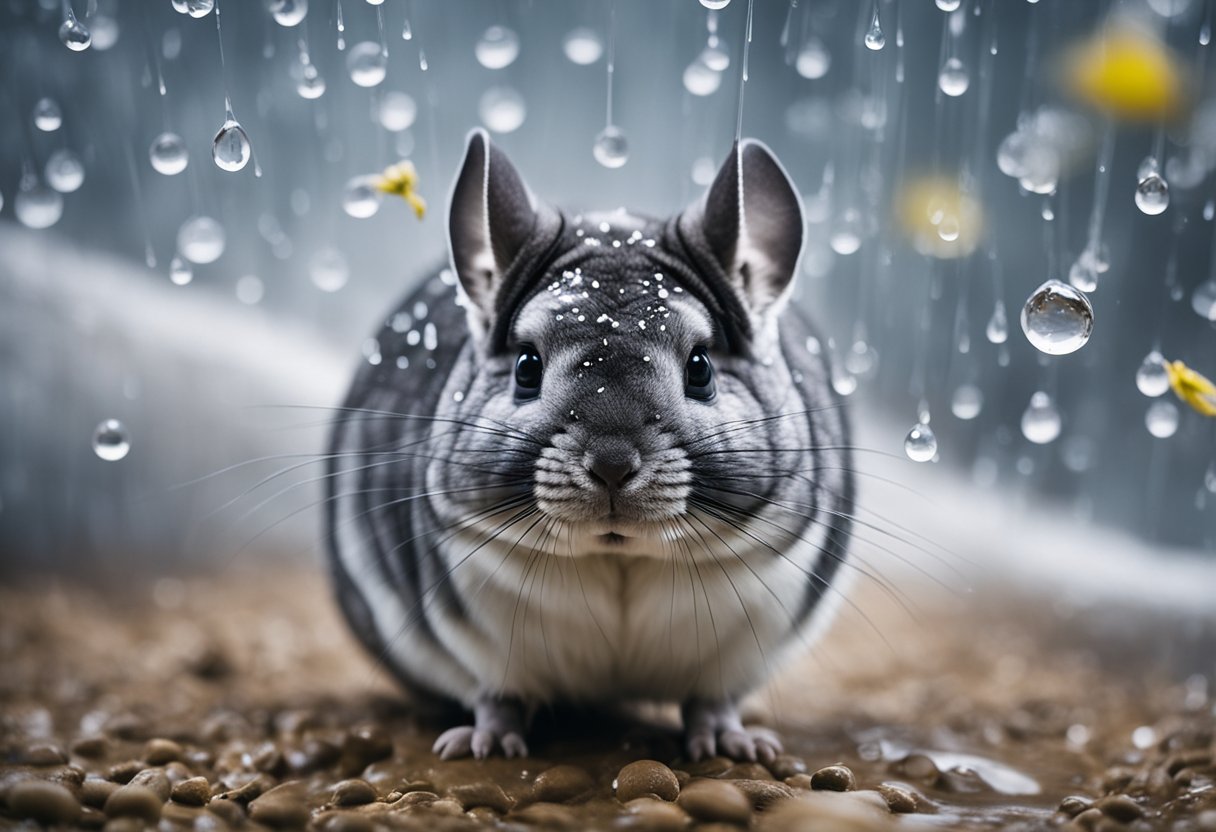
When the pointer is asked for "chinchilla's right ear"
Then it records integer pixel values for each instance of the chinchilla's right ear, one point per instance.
(491, 216)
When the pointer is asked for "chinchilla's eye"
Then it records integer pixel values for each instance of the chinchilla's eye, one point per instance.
(699, 375)
(528, 372)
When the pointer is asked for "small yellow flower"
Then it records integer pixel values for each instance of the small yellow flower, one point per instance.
(1127, 72)
(1193, 388)
(401, 179)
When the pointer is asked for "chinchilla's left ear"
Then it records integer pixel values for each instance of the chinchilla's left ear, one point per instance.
(751, 220)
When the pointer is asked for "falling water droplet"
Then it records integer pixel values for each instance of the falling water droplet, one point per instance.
(700, 80)
(328, 269)
(168, 154)
(47, 115)
(1205, 33)
(361, 198)
(502, 109)
(366, 63)
(310, 85)
(194, 8)
(1151, 378)
(1057, 318)
(611, 148)
(497, 48)
(950, 5)
(998, 325)
(201, 240)
(715, 4)
(967, 402)
(407, 31)
(583, 46)
(846, 232)
(397, 111)
(36, 205)
(64, 171)
(953, 79)
(288, 12)
(920, 444)
(1152, 194)
(1161, 419)
(111, 441)
(74, 34)
(1203, 300)
(1041, 420)
(231, 148)
(874, 38)
(180, 272)
(813, 59)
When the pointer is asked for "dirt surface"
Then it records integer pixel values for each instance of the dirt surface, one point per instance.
(240, 701)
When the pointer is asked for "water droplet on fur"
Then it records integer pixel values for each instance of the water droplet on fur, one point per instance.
(949, 5)
(1203, 300)
(168, 154)
(997, 330)
(700, 80)
(920, 444)
(1057, 319)
(1151, 378)
(715, 4)
(111, 441)
(813, 59)
(36, 205)
(1041, 420)
(201, 240)
(611, 148)
(194, 8)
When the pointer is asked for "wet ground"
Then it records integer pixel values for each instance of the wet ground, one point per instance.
(240, 701)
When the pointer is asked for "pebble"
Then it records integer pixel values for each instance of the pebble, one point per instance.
(1074, 805)
(787, 765)
(42, 801)
(799, 781)
(418, 798)
(228, 811)
(154, 779)
(856, 811)
(193, 792)
(353, 792)
(646, 777)
(95, 791)
(43, 754)
(763, 793)
(646, 814)
(134, 802)
(547, 816)
(362, 747)
(160, 751)
(561, 783)
(1120, 807)
(835, 778)
(746, 771)
(446, 806)
(485, 793)
(899, 800)
(124, 771)
(92, 748)
(282, 807)
(716, 800)
(91, 818)
(344, 822)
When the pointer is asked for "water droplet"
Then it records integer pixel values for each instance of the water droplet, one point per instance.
(1152, 378)
(366, 63)
(309, 83)
(502, 109)
(583, 46)
(194, 8)
(715, 4)
(715, 55)
(1205, 34)
(813, 59)
(36, 205)
(201, 240)
(967, 402)
(231, 148)
(950, 5)
(874, 38)
(1152, 194)
(611, 148)
(497, 48)
(998, 325)
(111, 441)
(704, 169)
(920, 444)
(180, 272)
(47, 115)
(1203, 300)
(328, 269)
(1209, 210)
(361, 198)
(1041, 420)
(1148, 166)
(74, 34)
(105, 32)
(288, 12)
(168, 154)
(699, 79)
(250, 290)
(846, 231)
(64, 171)
(1209, 478)
(1161, 419)
(397, 111)
(1057, 318)
(953, 79)
(843, 383)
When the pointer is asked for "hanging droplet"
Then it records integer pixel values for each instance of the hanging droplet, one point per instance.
(611, 148)
(231, 148)
(813, 59)
(1152, 379)
(502, 109)
(47, 115)
(36, 205)
(361, 198)
(1148, 166)
(846, 233)
(328, 269)
(1161, 419)
(1057, 318)
(397, 111)
(111, 441)
(920, 444)
(105, 31)
(997, 330)
(180, 272)
(953, 79)
(310, 84)
(1203, 300)
(74, 34)
(366, 63)
(1041, 420)
(194, 8)
(951, 5)
(700, 80)
(583, 46)
(967, 402)
(497, 48)
(201, 240)
(250, 289)
(715, 56)
(168, 154)
(874, 38)
(1152, 194)
(715, 4)
(64, 171)
(288, 12)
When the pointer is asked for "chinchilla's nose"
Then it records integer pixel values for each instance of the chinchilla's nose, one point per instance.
(612, 462)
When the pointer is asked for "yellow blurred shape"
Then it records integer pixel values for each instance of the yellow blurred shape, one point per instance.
(401, 179)
(938, 217)
(1128, 73)
(1192, 387)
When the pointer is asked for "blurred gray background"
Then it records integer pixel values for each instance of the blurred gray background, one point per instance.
(92, 328)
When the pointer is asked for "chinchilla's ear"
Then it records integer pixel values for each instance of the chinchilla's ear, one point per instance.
(751, 219)
(490, 218)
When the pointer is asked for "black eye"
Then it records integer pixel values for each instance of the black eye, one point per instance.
(528, 372)
(699, 375)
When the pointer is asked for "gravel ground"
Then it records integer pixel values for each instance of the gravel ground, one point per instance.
(240, 701)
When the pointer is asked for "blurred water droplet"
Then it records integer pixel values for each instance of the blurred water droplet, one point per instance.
(1041, 420)
(1203, 300)
(997, 330)
(74, 34)
(583, 46)
(194, 8)
(180, 272)
(36, 205)
(201, 240)
(1152, 194)
(843, 383)
(111, 441)
(502, 109)
(1205, 33)
(1209, 478)
(920, 444)
(1148, 166)
(1209, 210)
(231, 148)
(1151, 378)
(967, 402)
(64, 171)
(361, 198)
(950, 5)
(953, 79)
(611, 148)
(397, 111)
(310, 85)
(250, 290)
(715, 4)
(288, 12)
(1057, 318)
(699, 79)
(47, 115)
(813, 59)
(105, 31)
(168, 154)
(846, 232)
(328, 269)
(704, 169)
(366, 63)
(874, 38)
(497, 48)
(1161, 419)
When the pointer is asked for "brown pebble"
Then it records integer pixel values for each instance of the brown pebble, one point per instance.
(228, 811)
(1074, 805)
(787, 765)
(250, 791)
(91, 818)
(1089, 819)
(43, 754)
(344, 822)
(362, 747)
(124, 771)
(644, 777)
(835, 778)
(95, 791)
(282, 807)
(710, 767)
(486, 793)
(1120, 807)
(160, 751)
(193, 792)
(764, 793)
(42, 801)
(313, 754)
(746, 771)
(134, 802)
(177, 814)
(716, 800)
(561, 783)
(418, 798)
(446, 806)
(647, 814)
(483, 814)
(92, 748)
(799, 781)
(546, 816)
(918, 767)
(154, 779)
(353, 792)
(901, 801)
